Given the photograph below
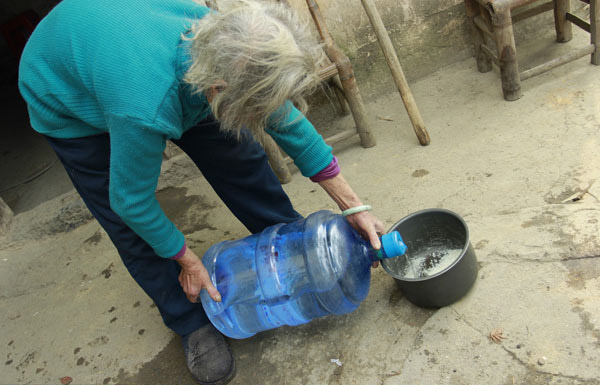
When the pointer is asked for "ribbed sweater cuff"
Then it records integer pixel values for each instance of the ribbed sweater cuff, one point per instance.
(314, 158)
(328, 172)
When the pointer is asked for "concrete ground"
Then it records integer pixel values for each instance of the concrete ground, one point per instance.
(523, 175)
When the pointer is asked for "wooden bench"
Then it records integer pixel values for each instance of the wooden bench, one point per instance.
(492, 21)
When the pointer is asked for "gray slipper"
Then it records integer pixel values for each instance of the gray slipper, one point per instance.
(208, 356)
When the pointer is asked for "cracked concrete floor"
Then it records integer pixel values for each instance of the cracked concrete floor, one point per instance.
(69, 308)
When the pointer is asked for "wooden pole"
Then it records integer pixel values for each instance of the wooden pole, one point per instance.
(564, 31)
(507, 52)
(547, 66)
(532, 12)
(397, 73)
(484, 64)
(332, 140)
(6, 216)
(336, 84)
(276, 161)
(579, 22)
(346, 74)
(595, 30)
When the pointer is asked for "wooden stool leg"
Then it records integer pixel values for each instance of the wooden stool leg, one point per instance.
(595, 30)
(484, 63)
(367, 139)
(276, 161)
(564, 31)
(507, 53)
(6, 216)
(336, 85)
(346, 73)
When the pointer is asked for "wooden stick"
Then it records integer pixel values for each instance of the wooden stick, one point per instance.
(482, 25)
(595, 30)
(315, 12)
(338, 89)
(397, 73)
(564, 31)
(332, 140)
(571, 56)
(490, 54)
(484, 63)
(276, 161)
(532, 12)
(512, 4)
(327, 72)
(578, 22)
(6, 216)
(346, 73)
(507, 54)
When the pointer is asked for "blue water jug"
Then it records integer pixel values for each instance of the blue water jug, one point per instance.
(291, 273)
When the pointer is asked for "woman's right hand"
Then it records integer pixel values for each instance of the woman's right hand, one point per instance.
(194, 277)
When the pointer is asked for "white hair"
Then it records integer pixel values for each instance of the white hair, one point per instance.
(261, 53)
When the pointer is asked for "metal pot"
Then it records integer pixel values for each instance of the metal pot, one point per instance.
(429, 234)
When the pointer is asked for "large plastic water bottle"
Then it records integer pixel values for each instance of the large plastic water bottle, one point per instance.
(291, 273)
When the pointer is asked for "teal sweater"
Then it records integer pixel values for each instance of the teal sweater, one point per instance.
(116, 66)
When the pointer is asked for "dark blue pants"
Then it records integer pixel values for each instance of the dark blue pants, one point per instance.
(239, 173)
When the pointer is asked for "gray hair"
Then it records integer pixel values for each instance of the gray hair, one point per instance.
(262, 53)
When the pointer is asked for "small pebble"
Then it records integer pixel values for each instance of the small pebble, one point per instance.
(66, 380)
(519, 346)
(542, 361)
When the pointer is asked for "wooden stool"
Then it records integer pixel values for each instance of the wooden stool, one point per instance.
(339, 74)
(493, 20)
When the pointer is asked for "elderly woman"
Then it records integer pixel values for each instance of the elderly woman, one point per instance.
(108, 82)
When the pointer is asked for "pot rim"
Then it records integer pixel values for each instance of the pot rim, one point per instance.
(425, 211)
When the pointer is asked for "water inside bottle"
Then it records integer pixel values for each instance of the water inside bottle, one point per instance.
(288, 275)
(428, 262)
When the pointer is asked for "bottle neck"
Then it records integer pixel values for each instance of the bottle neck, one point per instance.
(373, 254)
(392, 246)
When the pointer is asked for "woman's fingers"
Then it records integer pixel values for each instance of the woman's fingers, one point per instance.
(210, 288)
(194, 279)
(374, 238)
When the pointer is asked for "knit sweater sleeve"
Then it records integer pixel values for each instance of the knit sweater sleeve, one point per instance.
(299, 139)
(135, 162)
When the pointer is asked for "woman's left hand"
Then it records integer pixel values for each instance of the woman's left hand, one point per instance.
(368, 226)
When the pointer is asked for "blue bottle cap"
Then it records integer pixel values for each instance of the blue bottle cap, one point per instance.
(393, 245)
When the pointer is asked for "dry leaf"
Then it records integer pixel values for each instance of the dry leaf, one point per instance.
(496, 335)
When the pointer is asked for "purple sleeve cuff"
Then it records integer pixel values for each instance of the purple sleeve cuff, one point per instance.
(328, 172)
(180, 253)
